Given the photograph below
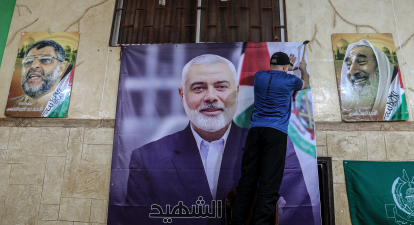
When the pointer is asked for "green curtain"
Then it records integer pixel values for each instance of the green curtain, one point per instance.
(6, 14)
(380, 193)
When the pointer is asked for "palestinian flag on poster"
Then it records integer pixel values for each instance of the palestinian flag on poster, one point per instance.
(396, 89)
(58, 104)
(256, 57)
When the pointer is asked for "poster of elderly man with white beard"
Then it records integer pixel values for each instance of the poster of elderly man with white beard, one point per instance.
(369, 80)
(43, 74)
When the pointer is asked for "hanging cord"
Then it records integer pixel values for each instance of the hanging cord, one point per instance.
(120, 53)
(121, 46)
(275, 38)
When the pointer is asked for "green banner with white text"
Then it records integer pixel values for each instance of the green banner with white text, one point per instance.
(380, 192)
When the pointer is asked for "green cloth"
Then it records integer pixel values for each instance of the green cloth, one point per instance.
(6, 14)
(380, 192)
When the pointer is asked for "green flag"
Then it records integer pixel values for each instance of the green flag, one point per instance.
(380, 192)
(6, 14)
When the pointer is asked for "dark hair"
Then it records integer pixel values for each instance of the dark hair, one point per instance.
(41, 44)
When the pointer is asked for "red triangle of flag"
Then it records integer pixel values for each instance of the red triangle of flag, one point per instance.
(71, 76)
(399, 77)
(256, 58)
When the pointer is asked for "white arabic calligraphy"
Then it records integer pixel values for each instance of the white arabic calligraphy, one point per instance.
(200, 210)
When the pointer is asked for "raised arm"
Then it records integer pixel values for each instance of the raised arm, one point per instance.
(292, 59)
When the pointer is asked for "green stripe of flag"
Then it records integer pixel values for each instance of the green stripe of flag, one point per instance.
(243, 119)
(402, 112)
(6, 14)
(300, 142)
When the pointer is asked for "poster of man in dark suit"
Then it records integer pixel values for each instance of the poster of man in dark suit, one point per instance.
(200, 163)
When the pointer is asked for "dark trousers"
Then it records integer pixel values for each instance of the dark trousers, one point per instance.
(263, 162)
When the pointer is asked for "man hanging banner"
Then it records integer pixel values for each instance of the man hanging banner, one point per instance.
(43, 73)
(180, 132)
(380, 192)
(369, 80)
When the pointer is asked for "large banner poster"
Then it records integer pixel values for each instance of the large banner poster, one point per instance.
(181, 121)
(42, 76)
(369, 80)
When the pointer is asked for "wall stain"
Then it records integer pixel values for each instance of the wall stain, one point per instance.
(42, 140)
(314, 39)
(105, 123)
(21, 30)
(387, 127)
(78, 20)
(18, 8)
(24, 122)
(346, 21)
(79, 64)
(406, 42)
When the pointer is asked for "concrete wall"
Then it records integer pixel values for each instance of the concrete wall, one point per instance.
(58, 173)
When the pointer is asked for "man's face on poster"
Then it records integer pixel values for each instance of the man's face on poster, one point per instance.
(363, 76)
(41, 70)
(361, 66)
(210, 96)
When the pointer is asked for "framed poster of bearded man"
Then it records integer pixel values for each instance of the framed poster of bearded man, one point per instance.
(369, 80)
(42, 76)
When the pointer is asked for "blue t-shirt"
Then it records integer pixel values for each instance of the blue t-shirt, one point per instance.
(272, 99)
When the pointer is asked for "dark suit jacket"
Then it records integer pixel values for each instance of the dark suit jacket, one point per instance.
(170, 170)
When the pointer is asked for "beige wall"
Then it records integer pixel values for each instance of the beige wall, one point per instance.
(52, 174)
(95, 81)
(59, 173)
